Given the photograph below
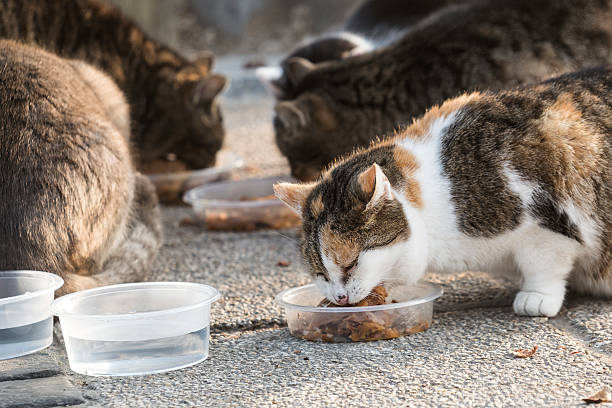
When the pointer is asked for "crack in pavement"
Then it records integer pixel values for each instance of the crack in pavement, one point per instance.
(562, 324)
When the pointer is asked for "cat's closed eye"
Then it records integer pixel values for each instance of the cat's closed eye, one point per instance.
(322, 275)
(349, 268)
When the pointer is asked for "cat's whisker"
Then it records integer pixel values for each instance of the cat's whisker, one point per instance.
(294, 240)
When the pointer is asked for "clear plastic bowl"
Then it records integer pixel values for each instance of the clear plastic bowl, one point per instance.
(241, 205)
(171, 186)
(26, 323)
(136, 328)
(409, 310)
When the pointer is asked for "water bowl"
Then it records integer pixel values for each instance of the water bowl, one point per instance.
(136, 328)
(408, 310)
(26, 323)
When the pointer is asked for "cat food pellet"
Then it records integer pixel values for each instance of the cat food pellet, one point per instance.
(251, 218)
(359, 326)
(162, 166)
(524, 353)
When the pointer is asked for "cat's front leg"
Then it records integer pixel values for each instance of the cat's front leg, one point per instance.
(545, 263)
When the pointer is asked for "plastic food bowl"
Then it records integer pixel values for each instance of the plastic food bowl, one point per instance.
(171, 186)
(26, 323)
(408, 310)
(241, 205)
(136, 328)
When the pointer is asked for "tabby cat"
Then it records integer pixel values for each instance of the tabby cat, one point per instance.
(485, 45)
(513, 181)
(173, 101)
(374, 23)
(70, 200)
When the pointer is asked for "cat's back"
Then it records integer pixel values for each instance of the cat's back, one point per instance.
(547, 147)
(64, 163)
(50, 97)
(35, 79)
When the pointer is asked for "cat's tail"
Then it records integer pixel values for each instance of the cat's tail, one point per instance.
(132, 259)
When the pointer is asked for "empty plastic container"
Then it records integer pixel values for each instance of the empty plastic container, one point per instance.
(408, 310)
(136, 328)
(26, 323)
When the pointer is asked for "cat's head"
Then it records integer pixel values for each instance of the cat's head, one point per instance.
(280, 80)
(185, 120)
(358, 228)
(319, 124)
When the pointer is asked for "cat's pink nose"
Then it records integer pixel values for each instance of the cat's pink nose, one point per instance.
(342, 299)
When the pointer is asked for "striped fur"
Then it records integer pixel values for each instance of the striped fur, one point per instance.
(479, 44)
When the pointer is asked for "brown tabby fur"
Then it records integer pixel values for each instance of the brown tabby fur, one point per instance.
(172, 101)
(374, 20)
(490, 44)
(70, 200)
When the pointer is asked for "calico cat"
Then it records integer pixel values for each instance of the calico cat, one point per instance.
(374, 24)
(173, 101)
(344, 104)
(70, 200)
(514, 181)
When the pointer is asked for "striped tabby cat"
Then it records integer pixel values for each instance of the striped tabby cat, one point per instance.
(479, 44)
(172, 101)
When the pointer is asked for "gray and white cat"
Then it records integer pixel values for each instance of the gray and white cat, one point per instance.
(374, 24)
(71, 201)
(513, 181)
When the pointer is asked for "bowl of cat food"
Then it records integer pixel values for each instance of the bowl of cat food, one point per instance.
(387, 313)
(136, 328)
(242, 205)
(26, 323)
(172, 178)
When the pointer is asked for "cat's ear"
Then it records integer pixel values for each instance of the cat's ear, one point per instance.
(209, 87)
(197, 69)
(375, 185)
(290, 114)
(204, 62)
(294, 195)
(297, 68)
(307, 109)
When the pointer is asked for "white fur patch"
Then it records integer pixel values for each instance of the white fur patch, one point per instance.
(362, 45)
(589, 230)
(519, 186)
(269, 74)
(334, 287)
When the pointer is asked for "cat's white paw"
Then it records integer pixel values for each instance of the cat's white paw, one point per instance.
(537, 304)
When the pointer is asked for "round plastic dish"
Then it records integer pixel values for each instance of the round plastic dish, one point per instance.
(136, 328)
(241, 205)
(408, 310)
(26, 323)
(171, 186)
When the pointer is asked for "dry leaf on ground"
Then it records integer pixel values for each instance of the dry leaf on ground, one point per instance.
(283, 264)
(524, 353)
(600, 396)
